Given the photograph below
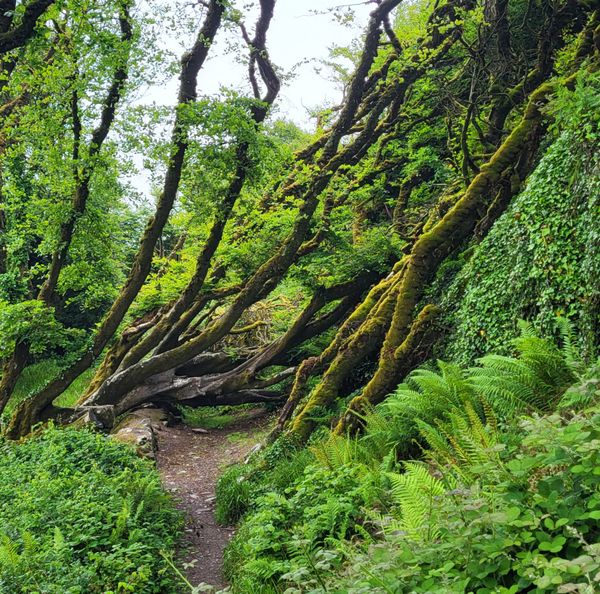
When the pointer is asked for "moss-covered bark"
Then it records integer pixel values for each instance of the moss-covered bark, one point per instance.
(454, 228)
(308, 193)
(414, 349)
(390, 324)
(348, 352)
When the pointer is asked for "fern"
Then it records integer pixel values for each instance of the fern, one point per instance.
(438, 443)
(509, 391)
(585, 393)
(414, 492)
(377, 444)
(556, 366)
(425, 396)
(534, 380)
(59, 539)
(336, 451)
(10, 559)
(121, 522)
(569, 350)
(463, 444)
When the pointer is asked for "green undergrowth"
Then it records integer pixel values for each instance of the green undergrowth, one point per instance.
(478, 480)
(81, 514)
(216, 417)
(240, 485)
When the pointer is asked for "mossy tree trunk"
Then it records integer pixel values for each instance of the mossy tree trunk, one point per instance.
(392, 327)
(175, 356)
(192, 62)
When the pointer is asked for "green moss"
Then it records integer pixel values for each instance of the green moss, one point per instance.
(365, 340)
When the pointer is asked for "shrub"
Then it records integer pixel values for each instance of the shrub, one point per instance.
(81, 514)
(498, 502)
(274, 469)
(533, 527)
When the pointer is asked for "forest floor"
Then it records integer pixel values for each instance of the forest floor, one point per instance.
(190, 460)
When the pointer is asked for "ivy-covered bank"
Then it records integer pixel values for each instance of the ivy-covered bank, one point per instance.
(81, 514)
(541, 260)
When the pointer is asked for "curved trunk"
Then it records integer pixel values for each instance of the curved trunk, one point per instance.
(192, 62)
(82, 178)
(363, 342)
(213, 377)
(454, 228)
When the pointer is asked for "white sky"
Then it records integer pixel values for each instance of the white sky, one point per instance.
(301, 34)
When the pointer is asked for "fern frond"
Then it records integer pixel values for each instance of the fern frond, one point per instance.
(9, 554)
(526, 329)
(335, 451)
(439, 448)
(414, 492)
(488, 413)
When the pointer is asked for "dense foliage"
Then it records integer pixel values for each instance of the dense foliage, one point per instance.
(497, 502)
(541, 259)
(261, 247)
(80, 513)
(209, 253)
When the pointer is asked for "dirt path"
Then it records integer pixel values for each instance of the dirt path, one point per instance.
(190, 463)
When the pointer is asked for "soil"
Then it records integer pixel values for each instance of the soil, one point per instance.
(190, 462)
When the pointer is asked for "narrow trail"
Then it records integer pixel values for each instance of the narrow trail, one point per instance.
(190, 462)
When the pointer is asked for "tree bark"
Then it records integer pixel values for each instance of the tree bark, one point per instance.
(394, 316)
(12, 38)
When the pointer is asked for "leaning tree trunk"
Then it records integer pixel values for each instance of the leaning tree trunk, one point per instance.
(502, 179)
(396, 320)
(174, 361)
(33, 410)
(161, 365)
(331, 158)
(83, 170)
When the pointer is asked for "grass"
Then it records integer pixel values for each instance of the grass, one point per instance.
(207, 418)
(247, 437)
(36, 376)
(216, 417)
